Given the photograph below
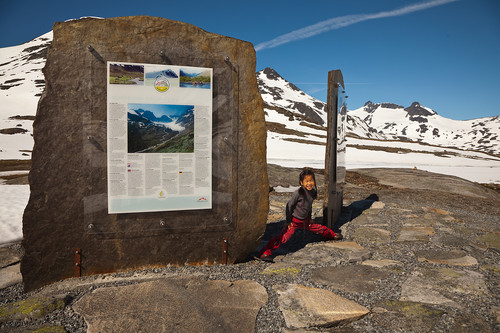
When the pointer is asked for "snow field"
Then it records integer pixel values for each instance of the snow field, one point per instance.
(13, 200)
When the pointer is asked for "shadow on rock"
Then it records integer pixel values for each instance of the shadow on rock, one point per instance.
(354, 210)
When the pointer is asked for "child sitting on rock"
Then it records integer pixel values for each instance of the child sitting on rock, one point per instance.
(298, 215)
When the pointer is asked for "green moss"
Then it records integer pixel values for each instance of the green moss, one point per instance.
(491, 268)
(396, 269)
(292, 271)
(492, 239)
(30, 308)
(412, 309)
(447, 272)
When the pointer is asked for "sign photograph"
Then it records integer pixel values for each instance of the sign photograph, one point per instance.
(159, 135)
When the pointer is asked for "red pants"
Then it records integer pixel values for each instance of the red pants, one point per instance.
(287, 233)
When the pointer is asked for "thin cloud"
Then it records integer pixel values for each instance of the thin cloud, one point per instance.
(344, 21)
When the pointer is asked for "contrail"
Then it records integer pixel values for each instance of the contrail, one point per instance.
(344, 21)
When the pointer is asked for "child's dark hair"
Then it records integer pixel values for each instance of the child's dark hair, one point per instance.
(303, 174)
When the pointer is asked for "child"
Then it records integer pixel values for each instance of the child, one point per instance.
(298, 215)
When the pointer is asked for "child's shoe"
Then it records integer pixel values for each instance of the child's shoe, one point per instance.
(266, 258)
(338, 236)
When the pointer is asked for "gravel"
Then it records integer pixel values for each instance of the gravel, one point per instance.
(474, 217)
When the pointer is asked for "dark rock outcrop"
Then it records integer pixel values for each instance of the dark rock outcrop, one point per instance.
(67, 208)
(415, 109)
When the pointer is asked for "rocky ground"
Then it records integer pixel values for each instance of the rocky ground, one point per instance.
(420, 254)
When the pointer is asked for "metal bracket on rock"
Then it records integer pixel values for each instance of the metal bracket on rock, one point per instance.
(224, 251)
(165, 58)
(228, 62)
(95, 54)
(78, 263)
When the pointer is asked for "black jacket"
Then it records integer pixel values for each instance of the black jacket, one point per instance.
(300, 204)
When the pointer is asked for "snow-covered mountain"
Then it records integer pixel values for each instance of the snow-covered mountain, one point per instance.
(379, 135)
(296, 121)
(21, 85)
(420, 124)
(379, 121)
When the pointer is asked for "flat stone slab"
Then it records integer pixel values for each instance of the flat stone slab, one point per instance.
(377, 205)
(373, 235)
(305, 307)
(345, 245)
(415, 234)
(436, 210)
(351, 278)
(355, 252)
(8, 256)
(450, 240)
(418, 222)
(429, 285)
(466, 323)
(369, 220)
(316, 253)
(381, 263)
(10, 276)
(446, 257)
(492, 239)
(174, 305)
(404, 316)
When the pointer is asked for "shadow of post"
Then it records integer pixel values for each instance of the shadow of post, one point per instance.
(354, 210)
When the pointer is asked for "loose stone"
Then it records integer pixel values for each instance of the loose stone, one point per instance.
(305, 307)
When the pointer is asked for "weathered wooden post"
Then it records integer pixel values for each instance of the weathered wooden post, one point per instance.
(335, 148)
(150, 149)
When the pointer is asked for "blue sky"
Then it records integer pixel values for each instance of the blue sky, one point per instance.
(442, 53)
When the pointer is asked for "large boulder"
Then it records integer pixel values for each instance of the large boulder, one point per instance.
(67, 209)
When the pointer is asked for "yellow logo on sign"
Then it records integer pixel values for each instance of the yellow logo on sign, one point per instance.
(161, 83)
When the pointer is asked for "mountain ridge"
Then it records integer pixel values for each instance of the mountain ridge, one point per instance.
(291, 114)
(384, 121)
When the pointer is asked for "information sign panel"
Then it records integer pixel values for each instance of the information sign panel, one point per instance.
(159, 137)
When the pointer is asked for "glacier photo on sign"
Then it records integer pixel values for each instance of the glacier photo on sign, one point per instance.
(160, 128)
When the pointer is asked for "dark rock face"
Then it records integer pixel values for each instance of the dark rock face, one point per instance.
(67, 208)
(419, 119)
(415, 109)
(271, 73)
(371, 107)
(423, 128)
(308, 112)
(391, 106)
